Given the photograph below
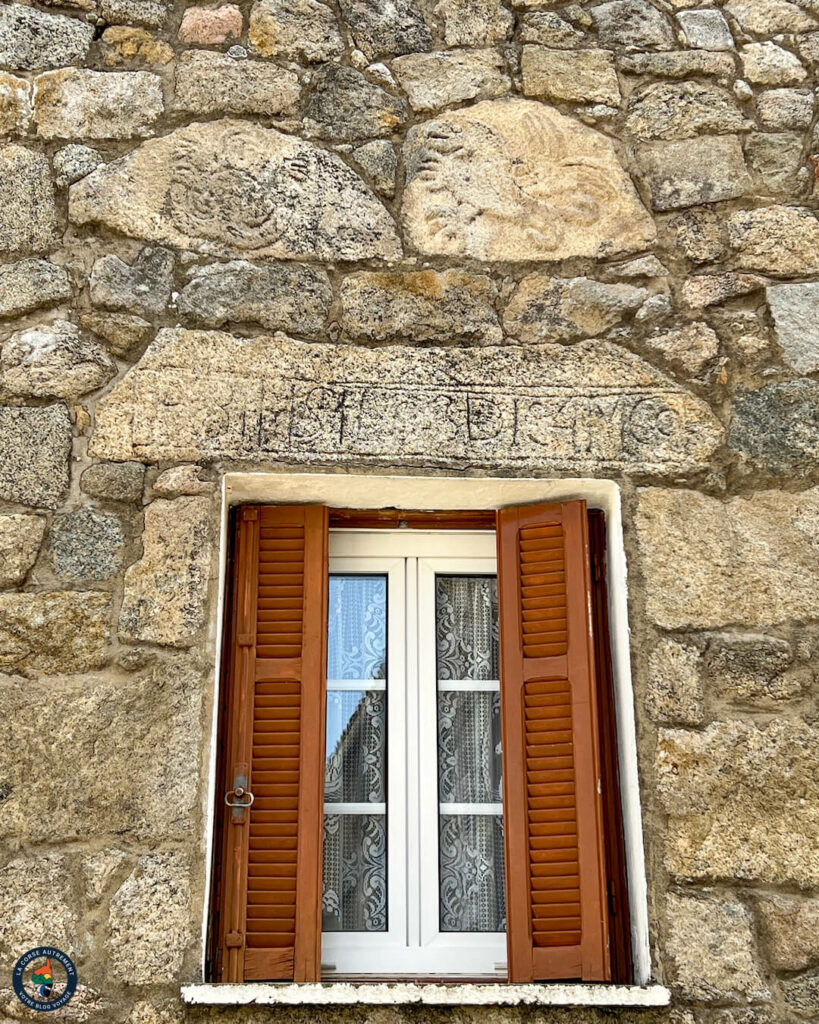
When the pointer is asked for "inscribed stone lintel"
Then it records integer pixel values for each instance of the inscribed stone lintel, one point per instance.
(204, 395)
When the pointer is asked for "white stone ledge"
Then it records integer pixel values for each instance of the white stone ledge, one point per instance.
(396, 993)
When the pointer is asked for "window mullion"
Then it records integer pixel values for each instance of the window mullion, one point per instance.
(413, 754)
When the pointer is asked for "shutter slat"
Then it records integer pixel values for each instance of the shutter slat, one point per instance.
(556, 915)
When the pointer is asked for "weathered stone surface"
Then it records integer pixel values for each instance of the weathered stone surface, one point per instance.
(379, 159)
(214, 83)
(167, 1012)
(179, 480)
(700, 234)
(30, 284)
(98, 870)
(547, 28)
(114, 481)
(77, 102)
(678, 64)
(295, 29)
(691, 348)
(675, 691)
(28, 216)
(701, 170)
(802, 995)
(776, 428)
(794, 308)
(86, 545)
(777, 158)
(150, 920)
(584, 76)
(229, 187)
(73, 162)
(32, 40)
(90, 723)
(142, 287)
(547, 308)
(474, 22)
(711, 289)
(26, 919)
(15, 105)
(123, 44)
(151, 13)
(769, 17)
(706, 29)
(277, 398)
(710, 942)
(123, 332)
(165, 591)
(633, 24)
(344, 106)
(514, 179)
(34, 455)
(790, 928)
(747, 561)
(389, 29)
(53, 361)
(748, 668)
(681, 110)
(434, 80)
(785, 108)
(778, 240)
(420, 306)
(62, 631)
(210, 26)
(20, 539)
(279, 296)
(719, 784)
(769, 64)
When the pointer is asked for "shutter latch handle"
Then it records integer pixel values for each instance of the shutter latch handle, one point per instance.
(244, 798)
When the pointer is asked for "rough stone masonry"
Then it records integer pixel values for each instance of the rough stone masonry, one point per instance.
(516, 237)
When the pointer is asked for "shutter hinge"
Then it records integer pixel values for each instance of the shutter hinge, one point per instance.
(250, 515)
(234, 940)
(245, 639)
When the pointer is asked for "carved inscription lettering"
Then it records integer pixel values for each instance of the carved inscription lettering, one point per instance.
(206, 395)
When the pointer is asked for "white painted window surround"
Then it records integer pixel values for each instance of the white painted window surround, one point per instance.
(374, 491)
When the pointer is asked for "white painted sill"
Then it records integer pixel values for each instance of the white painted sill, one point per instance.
(398, 993)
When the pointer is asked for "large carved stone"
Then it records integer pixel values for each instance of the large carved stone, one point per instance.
(199, 395)
(516, 180)
(234, 188)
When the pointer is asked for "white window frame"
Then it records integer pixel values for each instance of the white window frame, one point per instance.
(413, 944)
(452, 491)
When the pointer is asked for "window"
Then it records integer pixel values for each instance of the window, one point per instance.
(413, 879)
(364, 716)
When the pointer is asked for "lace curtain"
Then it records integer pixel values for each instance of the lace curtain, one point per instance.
(355, 844)
(469, 755)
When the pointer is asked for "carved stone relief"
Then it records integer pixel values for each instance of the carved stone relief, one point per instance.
(516, 180)
(234, 188)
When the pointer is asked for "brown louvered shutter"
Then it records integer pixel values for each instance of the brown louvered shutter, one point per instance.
(555, 857)
(271, 872)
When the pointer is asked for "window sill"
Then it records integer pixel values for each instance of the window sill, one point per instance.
(433, 994)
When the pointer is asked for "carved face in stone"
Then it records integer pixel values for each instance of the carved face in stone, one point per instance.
(516, 180)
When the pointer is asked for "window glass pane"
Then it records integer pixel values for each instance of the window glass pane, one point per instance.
(467, 627)
(469, 747)
(355, 768)
(357, 637)
(355, 873)
(471, 867)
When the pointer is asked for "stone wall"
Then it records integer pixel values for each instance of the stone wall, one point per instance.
(527, 238)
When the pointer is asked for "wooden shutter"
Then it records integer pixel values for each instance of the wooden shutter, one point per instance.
(555, 859)
(270, 920)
